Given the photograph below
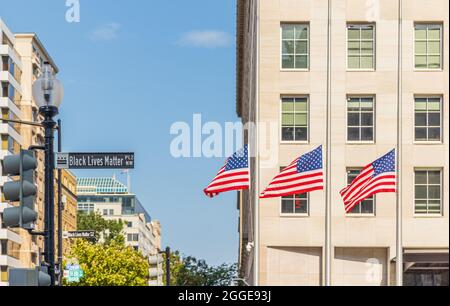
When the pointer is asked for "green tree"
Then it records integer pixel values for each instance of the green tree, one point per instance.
(112, 264)
(193, 272)
(109, 230)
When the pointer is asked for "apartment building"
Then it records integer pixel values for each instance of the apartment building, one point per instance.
(111, 199)
(22, 58)
(69, 205)
(296, 59)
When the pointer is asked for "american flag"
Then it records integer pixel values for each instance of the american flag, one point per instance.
(235, 175)
(303, 175)
(378, 177)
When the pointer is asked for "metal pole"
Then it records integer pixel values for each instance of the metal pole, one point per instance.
(60, 210)
(399, 225)
(168, 266)
(328, 159)
(49, 125)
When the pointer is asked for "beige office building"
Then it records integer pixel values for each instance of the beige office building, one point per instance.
(287, 51)
(22, 58)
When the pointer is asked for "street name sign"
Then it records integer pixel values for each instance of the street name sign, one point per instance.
(79, 234)
(94, 160)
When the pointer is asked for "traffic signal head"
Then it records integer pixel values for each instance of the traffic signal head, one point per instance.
(38, 277)
(22, 190)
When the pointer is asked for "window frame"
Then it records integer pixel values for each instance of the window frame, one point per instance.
(374, 198)
(374, 47)
(441, 199)
(429, 142)
(308, 118)
(296, 215)
(361, 142)
(441, 68)
(308, 45)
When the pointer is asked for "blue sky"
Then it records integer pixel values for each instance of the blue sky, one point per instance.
(132, 68)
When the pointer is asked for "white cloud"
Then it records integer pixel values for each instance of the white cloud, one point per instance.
(106, 32)
(206, 39)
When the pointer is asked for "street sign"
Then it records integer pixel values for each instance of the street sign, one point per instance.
(73, 273)
(94, 160)
(79, 234)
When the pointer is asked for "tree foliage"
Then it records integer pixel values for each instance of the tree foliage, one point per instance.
(194, 272)
(111, 264)
(106, 230)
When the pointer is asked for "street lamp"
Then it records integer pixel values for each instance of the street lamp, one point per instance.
(48, 94)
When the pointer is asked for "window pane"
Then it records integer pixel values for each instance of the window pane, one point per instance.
(288, 61)
(301, 47)
(434, 47)
(434, 207)
(421, 134)
(434, 177)
(288, 31)
(367, 103)
(421, 177)
(288, 119)
(353, 105)
(367, 33)
(367, 207)
(421, 104)
(288, 105)
(288, 134)
(353, 62)
(421, 33)
(367, 62)
(301, 120)
(434, 119)
(301, 206)
(353, 134)
(421, 61)
(353, 47)
(421, 119)
(434, 134)
(353, 33)
(434, 104)
(301, 105)
(421, 207)
(367, 119)
(421, 192)
(434, 33)
(288, 47)
(301, 32)
(367, 47)
(434, 62)
(301, 62)
(421, 47)
(434, 192)
(301, 134)
(353, 119)
(287, 207)
(367, 134)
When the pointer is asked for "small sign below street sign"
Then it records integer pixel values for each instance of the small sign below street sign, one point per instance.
(94, 160)
(79, 234)
(73, 273)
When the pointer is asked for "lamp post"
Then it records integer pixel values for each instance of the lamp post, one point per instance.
(48, 93)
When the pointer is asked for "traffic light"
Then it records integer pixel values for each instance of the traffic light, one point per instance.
(156, 271)
(29, 277)
(22, 190)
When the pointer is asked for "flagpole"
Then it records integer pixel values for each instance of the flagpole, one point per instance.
(328, 249)
(399, 214)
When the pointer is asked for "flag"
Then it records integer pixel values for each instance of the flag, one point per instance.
(303, 175)
(378, 177)
(235, 175)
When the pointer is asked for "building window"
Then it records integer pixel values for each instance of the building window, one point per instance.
(295, 118)
(360, 46)
(365, 207)
(295, 46)
(129, 224)
(4, 274)
(295, 204)
(360, 119)
(428, 194)
(428, 46)
(133, 237)
(10, 248)
(428, 118)
(105, 212)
